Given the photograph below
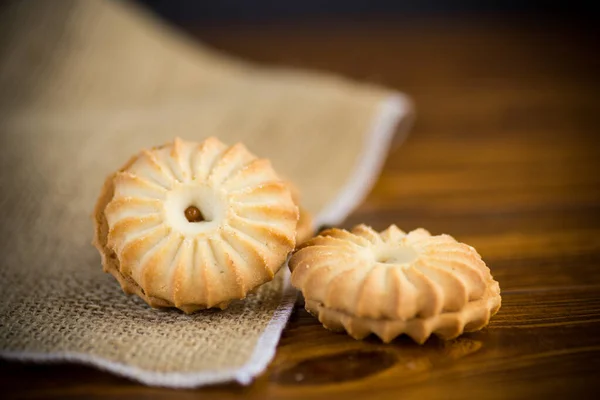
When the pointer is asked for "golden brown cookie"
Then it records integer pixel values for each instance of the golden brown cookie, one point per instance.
(393, 283)
(194, 226)
(304, 230)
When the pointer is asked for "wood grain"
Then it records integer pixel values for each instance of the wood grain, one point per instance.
(503, 156)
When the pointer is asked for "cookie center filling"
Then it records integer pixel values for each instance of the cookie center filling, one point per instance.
(397, 255)
(193, 214)
(195, 209)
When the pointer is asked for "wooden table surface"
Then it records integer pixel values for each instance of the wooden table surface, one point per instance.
(504, 156)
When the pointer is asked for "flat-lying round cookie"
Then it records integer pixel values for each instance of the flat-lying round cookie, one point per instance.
(194, 226)
(393, 283)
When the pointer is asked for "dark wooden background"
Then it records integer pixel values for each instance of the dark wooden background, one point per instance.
(504, 155)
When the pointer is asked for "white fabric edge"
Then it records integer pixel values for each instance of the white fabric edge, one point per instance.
(377, 141)
(369, 164)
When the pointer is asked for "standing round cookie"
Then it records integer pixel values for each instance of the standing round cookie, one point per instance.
(393, 283)
(194, 226)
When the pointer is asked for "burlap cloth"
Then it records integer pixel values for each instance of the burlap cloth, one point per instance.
(85, 84)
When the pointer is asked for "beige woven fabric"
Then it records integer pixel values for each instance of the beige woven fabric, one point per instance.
(85, 84)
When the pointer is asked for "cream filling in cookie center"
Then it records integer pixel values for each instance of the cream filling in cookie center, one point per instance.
(195, 209)
(396, 255)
